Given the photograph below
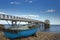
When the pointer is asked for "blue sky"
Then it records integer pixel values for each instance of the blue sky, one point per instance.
(35, 9)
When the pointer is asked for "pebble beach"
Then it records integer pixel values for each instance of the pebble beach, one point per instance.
(38, 36)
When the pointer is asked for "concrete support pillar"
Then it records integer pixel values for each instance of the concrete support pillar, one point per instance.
(39, 27)
(29, 22)
(42, 26)
(47, 24)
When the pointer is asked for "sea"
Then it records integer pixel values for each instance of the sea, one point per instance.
(53, 28)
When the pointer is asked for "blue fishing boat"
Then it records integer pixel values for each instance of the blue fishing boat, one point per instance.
(19, 32)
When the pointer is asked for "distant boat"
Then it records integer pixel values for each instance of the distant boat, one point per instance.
(23, 31)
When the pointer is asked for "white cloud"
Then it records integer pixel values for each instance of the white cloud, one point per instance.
(30, 1)
(9, 22)
(14, 2)
(2, 13)
(48, 11)
(29, 16)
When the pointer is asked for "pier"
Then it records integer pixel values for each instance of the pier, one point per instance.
(15, 19)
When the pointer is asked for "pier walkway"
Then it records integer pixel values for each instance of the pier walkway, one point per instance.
(16, 18)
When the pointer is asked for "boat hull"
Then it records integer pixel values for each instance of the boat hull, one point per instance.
(23, 33)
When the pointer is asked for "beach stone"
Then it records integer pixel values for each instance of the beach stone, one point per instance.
(39, 36)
